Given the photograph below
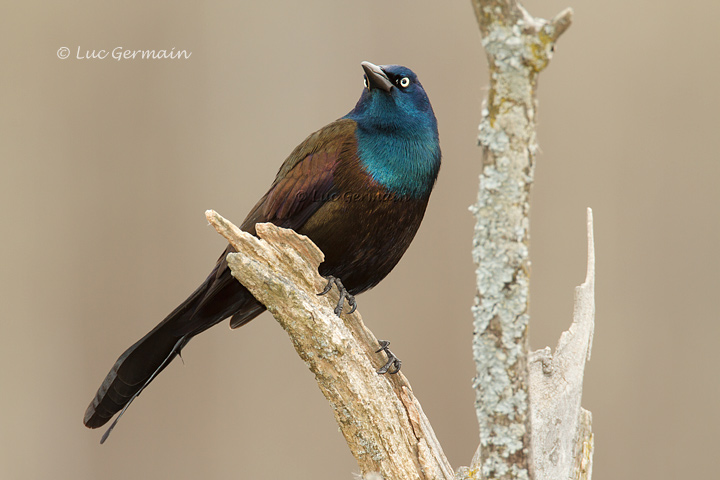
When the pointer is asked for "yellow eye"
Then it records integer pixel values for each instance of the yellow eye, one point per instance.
(404, 82)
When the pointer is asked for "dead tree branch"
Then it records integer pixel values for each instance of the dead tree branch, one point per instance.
(562, 438)
(381, 419)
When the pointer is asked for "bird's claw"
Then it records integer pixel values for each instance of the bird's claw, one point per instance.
(344, 295)
(393, 361)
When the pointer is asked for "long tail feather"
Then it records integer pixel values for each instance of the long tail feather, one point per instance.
(219, 297)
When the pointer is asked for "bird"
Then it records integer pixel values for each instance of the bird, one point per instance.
(358, 188)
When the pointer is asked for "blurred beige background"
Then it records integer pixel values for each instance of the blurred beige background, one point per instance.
(107, 167)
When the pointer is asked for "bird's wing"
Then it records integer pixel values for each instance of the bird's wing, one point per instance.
(303, 184)
(305, 180)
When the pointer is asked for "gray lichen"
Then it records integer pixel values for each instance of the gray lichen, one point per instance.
(500, 251)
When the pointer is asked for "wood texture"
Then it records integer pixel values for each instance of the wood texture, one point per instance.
(382, 421)
(562, 439)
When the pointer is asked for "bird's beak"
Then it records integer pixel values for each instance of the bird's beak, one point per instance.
(376, 78)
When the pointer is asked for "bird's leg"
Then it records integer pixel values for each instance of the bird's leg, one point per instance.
(344, 294)
(393, 361)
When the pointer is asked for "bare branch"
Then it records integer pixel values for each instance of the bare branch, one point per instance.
(560, 23)
(381, 419)
(562, 437)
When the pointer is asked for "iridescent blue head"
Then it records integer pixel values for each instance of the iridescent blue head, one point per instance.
(397, 131)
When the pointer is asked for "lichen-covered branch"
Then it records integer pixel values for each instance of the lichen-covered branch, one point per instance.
(381, 419)
(518, 48)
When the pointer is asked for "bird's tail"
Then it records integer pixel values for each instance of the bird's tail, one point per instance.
(132, 372)
(219, 297)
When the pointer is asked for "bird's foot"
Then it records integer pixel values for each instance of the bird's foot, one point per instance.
(344, 295)
(393, 361)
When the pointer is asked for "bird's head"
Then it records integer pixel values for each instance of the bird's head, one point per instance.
(397, 132)
(393, 98)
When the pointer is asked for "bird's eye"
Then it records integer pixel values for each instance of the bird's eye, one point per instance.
(365, 81)
(404, 82)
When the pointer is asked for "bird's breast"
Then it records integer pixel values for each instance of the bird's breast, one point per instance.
(364, 229)
(405, 163)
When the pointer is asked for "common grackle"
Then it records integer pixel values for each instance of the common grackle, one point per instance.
(357, 187)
